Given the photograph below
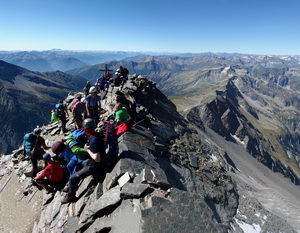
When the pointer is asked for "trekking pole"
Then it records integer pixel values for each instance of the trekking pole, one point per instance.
(138, 123)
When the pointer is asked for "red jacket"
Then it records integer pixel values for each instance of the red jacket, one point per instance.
(122, 128)
(53, 172)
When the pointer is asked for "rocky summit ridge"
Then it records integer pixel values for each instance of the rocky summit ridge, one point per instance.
(171, 176)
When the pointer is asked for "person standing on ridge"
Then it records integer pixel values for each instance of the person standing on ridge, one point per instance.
(93, 105)
(34, 147)
(87, 88)
(77, 107)
(61, 113)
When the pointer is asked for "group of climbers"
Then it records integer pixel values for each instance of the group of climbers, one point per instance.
(89, 150)
(90, 105)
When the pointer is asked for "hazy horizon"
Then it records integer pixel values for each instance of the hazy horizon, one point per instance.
(167, 26)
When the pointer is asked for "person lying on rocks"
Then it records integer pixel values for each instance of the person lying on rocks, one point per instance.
(52, 176)
(95, 165)
(124, 127)
(120, 113)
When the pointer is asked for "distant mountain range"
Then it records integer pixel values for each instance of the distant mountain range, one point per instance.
(64, 60)
(53, 60)
(27, 99)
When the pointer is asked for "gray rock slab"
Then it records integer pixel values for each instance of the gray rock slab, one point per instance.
(60, 220)
(83, 193)
(130, 146)
(109, 198)
(140, 136)
(154, 177)
(72, 225)
(180, 212)
(50, 212)
(133, 164)
(193, 160)
(146, 176)
(123, 166)
(210, 176)
(124, 179)
(126, 218)
(131, 190)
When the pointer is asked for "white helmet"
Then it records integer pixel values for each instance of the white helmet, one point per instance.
(92, 90)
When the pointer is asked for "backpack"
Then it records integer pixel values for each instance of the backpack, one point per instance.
(59, 110)
(53, 116)
(29, 139)
(125, 71)
(30, 146)
(77, 137)
(79, 108)
(110, 139)
(71, 107)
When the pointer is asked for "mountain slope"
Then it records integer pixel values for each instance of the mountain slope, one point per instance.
(27, 98)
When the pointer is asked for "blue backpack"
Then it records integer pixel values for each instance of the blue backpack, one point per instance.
(59, 110)
(29, 139)
(78, 137)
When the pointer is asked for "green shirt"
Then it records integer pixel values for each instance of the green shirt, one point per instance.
(122, 114)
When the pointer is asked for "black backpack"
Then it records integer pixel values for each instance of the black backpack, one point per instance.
(111, 146)
(125, 71)
(110, 139)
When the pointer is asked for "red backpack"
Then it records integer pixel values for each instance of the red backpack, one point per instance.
(71, 108)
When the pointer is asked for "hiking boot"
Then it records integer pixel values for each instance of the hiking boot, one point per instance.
(49, 189)
(68, 199)
(66, 189)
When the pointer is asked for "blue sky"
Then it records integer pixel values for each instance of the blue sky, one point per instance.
(244, 26)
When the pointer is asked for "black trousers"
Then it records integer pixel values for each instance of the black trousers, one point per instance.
(89, 167)
(34, 161)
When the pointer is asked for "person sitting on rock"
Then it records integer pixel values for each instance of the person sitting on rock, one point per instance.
(95, 165)
(120, 113)
(52, 176)
(66, 158)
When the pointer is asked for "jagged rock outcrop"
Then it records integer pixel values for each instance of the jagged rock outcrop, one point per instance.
(167, 179)
(231, 116)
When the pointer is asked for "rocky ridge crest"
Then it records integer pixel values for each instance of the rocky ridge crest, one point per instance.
(167, 178)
